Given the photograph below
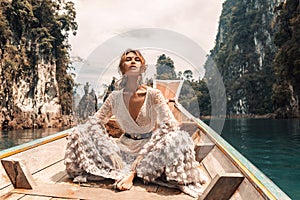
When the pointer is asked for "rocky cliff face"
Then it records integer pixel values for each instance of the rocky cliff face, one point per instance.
(31, 101)
(244, 53)
(35, 89)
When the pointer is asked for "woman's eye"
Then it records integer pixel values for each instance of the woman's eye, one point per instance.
(128, 59)
(137, 59)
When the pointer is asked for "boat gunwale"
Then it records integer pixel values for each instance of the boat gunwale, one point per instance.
(32, 144)
(257, 178)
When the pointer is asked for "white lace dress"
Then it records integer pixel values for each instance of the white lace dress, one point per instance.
(167, 156)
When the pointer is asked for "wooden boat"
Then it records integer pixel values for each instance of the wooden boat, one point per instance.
(35, 170)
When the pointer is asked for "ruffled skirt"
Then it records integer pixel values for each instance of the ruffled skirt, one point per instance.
(168, 157)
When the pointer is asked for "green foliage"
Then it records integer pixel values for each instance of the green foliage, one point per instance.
(194, 95)
(165, 68)
(34, 32)
(188, 74)
(286, 89)
(203, 97)
(243, 55)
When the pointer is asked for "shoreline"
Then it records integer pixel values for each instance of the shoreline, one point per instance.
(245, 116)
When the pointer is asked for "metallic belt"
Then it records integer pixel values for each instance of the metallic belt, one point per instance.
(138, 136)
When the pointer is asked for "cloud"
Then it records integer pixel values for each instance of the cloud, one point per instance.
(101, 20)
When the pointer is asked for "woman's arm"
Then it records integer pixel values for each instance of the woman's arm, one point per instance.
(105, 112)
(103, 115)
(165, 115)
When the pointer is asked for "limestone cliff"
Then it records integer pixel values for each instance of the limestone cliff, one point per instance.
(35, 88)
(244, 54)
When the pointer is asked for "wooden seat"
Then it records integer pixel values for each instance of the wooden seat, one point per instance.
(18, 173)
(222, 186)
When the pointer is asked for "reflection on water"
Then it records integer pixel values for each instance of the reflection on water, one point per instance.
(16, 137)
(271, 145)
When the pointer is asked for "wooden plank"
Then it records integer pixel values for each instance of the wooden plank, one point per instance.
(51, 174)
(190, 127)
(12, 196)
(4, 179)
(170, 192)
(222, 186)
(169, 88)
(259, 180)
(6, 190)
(206, 174)
(36, 157)
(55, 151)
(217, 163)
(34, 197)
(18, 173)
(246, 191)
(202, 150)
(138, 185)
(72, 191)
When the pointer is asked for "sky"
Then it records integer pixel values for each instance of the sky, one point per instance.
(100, 21)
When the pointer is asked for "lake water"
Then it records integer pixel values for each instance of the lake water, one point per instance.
(16, 137)
(271, 145)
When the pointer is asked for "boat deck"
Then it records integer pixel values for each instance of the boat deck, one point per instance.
(44, 164)
(39, 167)
(52, 181)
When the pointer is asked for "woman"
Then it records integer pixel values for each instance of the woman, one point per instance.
(161, 154)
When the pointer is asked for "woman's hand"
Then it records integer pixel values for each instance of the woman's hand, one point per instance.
(126, 182)
(116, 161)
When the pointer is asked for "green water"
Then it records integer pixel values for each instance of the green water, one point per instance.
(16, 137)
(271, 145)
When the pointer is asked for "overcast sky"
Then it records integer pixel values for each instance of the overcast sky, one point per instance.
(101, 20)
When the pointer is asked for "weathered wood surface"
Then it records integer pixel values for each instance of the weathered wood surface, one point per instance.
(217, 163)
(169, 88)
(246, 191)
(54, 176)
(37, 159)
(75, 191)
(18, 173)
(202, 150)
(222, 186)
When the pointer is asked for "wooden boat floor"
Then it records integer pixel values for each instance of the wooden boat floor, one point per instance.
(53, 183)
(91, 190)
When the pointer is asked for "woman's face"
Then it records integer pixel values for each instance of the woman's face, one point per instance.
(132, 64)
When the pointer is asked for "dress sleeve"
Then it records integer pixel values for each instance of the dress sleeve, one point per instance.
(105, 112)
(165, 115)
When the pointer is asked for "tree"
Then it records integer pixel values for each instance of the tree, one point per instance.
(32, 34)
(165, 68)
(188, 74)
(286, 89)
(243, 55)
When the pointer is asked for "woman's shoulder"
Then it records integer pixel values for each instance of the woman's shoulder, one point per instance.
(155, 94)
(114, 94)
(152, 90)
